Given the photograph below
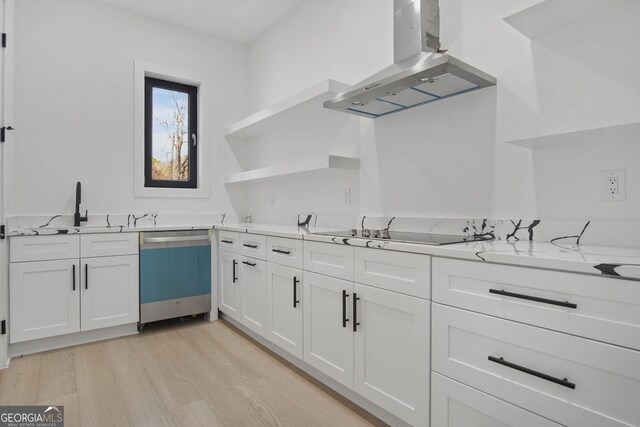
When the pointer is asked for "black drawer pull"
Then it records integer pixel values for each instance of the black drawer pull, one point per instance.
(537, 299)
(252, 264)
(247, 245)
(344, 308)
(226, 241)
(295, 292)
(280, 251)
(234, 277)
(86, 276)
(355, 312)
(74, 276)
(563, 382)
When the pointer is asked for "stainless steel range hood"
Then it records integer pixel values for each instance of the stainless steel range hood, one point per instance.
(420, 73)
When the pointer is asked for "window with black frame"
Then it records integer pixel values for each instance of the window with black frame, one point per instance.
(171, 134)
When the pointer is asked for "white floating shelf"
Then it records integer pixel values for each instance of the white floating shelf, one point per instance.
(584, 135)
(551, 15)
(307, 102)
(308, 165)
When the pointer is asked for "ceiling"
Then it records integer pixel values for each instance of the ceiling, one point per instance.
(237, 20)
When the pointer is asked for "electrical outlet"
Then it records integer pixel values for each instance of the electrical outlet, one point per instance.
(346, 195)
(272, 199)
(613, 185)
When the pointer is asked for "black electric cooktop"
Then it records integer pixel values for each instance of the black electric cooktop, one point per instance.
(406, 237)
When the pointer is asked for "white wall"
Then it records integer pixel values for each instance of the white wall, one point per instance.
(74, 113)
(449, 158)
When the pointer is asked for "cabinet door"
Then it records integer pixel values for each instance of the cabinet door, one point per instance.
(253, 285)
(456, 405)
(284, 308)
(110, 290)
(328, 339)
(44, 299)
(391, 352)
(229, 285)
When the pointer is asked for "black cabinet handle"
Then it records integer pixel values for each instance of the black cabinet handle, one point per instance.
(252, 264)
(233, 277)
(355, 312)
(86, 276)
(246, 245)
(74, 276)
(295, 291)
(280, 251)
(563, 382)
(344, 308)
(530, 298)
(226, 241)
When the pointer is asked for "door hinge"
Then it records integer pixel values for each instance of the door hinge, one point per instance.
(2, 233)
(4, 39)
(3, 131)
(3, 327)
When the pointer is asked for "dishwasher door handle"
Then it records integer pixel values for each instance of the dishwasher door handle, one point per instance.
(175, 239)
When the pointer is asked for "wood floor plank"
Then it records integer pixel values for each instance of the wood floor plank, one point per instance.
(176, 374)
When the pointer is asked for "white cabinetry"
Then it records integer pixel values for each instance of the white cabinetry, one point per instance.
(44, 299)
(243, 280)
(284, 308)
(457, 405)
(64, 284)
(328, 336)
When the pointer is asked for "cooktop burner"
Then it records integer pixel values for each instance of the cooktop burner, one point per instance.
(406, 237)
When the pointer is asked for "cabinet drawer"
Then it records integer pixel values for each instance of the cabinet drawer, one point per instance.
(535, 368)
(285, 251)
(601, 308)
(108, 244)
(396, 271)
(229, 240)
(330, 259)
(457, 405)
(253, 245)
(43, 248)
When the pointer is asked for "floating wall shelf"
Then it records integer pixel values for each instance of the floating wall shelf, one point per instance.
(307, 165)
(551, 15)
(604, 134)
(307, 103)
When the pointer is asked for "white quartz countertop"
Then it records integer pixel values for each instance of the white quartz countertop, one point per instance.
(599, 260)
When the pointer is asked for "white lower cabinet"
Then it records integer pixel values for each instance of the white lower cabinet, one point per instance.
(568, 379)
(253, 289)
(391, 352)
(454, 404)
(110, 295)
(229, 285)
(328, 334)
(284, 308)
(44, 299)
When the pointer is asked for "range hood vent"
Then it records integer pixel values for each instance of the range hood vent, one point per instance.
(420, 73)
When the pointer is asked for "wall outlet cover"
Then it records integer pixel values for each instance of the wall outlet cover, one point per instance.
(613, 185)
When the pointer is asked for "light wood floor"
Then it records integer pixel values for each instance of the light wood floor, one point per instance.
(196, 373)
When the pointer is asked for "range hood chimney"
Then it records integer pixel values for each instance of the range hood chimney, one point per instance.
(421, 72)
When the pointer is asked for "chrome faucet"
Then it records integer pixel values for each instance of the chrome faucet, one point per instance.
(77, 218)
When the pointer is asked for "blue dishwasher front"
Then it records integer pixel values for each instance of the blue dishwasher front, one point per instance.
(175, 274)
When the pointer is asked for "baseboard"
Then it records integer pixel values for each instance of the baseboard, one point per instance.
(68, 340)
(329, 382)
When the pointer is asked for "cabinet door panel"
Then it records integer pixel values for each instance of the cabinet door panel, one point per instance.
(110, 291)
(253, 285)
(456, 405)
(328, 346)
(284, 316)
(229, 284)
(43, 300)
(391, 352)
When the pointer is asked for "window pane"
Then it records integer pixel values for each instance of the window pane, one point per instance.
(170, 138)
